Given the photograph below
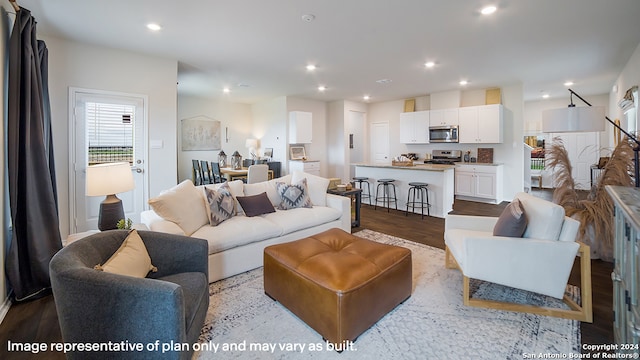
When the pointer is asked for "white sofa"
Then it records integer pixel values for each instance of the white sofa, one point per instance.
(236, 245)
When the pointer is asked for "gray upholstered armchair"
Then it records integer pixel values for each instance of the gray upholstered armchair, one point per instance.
(98, 307)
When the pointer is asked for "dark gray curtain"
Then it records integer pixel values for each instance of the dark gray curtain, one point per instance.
(32, 192)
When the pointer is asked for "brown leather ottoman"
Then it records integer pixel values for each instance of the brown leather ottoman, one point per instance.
(337, 283)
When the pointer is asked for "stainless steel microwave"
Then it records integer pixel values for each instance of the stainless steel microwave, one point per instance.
(443, 134)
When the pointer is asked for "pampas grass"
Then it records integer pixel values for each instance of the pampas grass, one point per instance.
(595, 213)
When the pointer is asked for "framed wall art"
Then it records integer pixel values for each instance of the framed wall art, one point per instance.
(297, 153)
(200, 133)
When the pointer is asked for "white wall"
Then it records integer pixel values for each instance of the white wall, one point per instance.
(73, 64)
(338, 152)
(234, 117)
(270, 123)
(630, 76)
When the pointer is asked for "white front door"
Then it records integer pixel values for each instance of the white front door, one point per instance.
(380, 143)
(106, 127)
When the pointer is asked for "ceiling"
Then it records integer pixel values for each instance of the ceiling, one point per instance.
(259, 49)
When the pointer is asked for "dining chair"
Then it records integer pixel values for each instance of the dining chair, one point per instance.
(216, 175)
(257, 173)
(196, 172)
(206, 172)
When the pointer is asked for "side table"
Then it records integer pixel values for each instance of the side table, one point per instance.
(355, 192)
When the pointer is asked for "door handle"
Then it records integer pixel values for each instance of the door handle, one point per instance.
(137, 169)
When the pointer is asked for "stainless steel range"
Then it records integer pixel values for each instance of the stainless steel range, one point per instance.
(444, 157)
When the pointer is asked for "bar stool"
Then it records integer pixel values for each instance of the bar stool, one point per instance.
(386, 184)
(422, 191)
(359, 181)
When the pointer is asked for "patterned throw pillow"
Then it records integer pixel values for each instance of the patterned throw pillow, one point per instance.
(222, 205)
(294, 196)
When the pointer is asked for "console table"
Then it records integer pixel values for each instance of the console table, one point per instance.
(355, 192)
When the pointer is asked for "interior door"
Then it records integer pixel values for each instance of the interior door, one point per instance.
(583, 150)
(106, 127)
(380, 143)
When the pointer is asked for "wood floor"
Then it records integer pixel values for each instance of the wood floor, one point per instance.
(37, 321)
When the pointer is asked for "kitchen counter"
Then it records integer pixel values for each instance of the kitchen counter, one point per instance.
(424, 167)
(478, 164)
(439, 177)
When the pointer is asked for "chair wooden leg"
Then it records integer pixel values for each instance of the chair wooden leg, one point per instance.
(582, 312)
(449, 261)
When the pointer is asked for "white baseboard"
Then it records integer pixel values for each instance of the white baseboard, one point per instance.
(4, 308)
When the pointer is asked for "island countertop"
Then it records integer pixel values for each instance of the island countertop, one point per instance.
(423, 167)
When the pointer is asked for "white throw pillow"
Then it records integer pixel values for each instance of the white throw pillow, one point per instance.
(544, 218)
(131, 258)
(317, 187)
(184, 205)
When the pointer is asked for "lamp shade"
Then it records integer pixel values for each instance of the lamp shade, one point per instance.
(108, 179)
(573, 119)
(251, 143)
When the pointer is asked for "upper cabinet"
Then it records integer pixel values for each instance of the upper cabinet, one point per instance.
(300, 127)
(481, 124)
(414, 127)
(443, 117)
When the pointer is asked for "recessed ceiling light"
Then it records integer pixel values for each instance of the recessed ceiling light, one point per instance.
(366, 97)
(383, 81)
(308, 17)
(568, 83)
(463, 82)
(154, 27)
(545, 96)
(311, 67)
(322, 88)
(226, 90)
(429, 64)
(488, 10)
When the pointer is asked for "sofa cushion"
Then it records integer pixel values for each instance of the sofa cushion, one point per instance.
(317, 187)
(131, 258)
(237, 231)
(237, 189)
(544, 217)
(512, 222)
(303, 218)
(295, 195)
(255, 205)
(184, 205)
(222, 205)
(269, 187)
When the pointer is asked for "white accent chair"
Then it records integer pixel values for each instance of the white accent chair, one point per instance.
(540, 261)
(257, 173)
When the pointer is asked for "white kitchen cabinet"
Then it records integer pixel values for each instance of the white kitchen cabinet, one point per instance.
(443, 117)
(414, 127)
(481, 124)
(300, 124)
(479, 182)
(309, 166)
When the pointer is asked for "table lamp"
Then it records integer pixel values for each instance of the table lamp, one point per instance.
(108, 180)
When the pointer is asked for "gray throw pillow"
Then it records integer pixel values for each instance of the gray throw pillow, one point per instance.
(512, 222)
(294, 196)
(255, 205)
(221, 203)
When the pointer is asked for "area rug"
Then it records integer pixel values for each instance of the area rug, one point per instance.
(243, 323)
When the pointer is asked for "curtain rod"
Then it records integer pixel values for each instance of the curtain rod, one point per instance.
(15, 5)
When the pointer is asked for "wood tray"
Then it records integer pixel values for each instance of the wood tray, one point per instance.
(402, 163)
(485, 155)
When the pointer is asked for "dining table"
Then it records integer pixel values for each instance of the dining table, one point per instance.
(235, 174)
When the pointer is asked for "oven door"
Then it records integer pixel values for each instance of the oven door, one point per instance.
(442, 134)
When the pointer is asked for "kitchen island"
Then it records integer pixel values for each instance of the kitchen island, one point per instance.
(439, 177)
